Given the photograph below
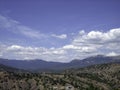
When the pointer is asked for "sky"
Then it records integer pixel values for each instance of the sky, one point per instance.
(59, 30)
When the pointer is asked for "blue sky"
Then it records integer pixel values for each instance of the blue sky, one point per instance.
(59, 30)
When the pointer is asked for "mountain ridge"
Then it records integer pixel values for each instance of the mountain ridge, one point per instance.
(39, 64)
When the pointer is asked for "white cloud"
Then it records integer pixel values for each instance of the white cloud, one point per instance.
(112, 54)
(17, 28)
(101, 42)
(81, 32)
(62, 36)
(70, 47)
(97, 37)
(87, 44)
(64, 53)
(21, 52)
(79, 48)
(82, 45)
(6, 22)
(14, 47)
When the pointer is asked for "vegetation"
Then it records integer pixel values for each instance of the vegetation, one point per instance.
(97, 77)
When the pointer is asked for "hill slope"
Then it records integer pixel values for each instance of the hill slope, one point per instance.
(97, 77)
(102, 77)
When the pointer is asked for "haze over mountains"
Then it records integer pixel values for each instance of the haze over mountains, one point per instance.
(41, 65)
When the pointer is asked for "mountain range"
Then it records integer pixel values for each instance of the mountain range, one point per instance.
(42, 65)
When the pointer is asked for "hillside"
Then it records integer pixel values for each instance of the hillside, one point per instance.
(101, 77)
(96, 77)
(10, 69)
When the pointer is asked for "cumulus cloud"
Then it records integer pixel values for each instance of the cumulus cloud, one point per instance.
(97, 37)
(50, 54)
(21, 52)
(102, 42)
(83, 44)
(62, 36)
(112, 54)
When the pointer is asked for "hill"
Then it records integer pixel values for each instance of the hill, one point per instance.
(96, 77)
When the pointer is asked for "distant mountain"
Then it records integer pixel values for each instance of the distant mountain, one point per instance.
(41, 65)
(10, 69)
(29, 64)
(99, 59)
